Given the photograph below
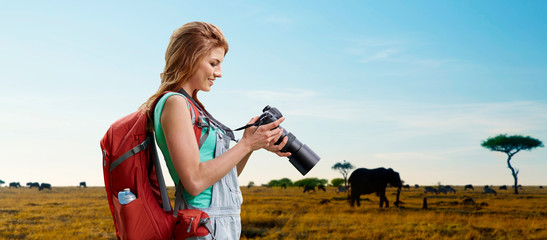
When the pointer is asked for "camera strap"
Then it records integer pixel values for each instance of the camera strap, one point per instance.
(227, 130)
(246, 126)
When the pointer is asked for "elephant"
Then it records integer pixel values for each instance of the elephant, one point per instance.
(365, 181)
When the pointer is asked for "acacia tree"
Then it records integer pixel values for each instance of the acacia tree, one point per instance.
(511, 145)
(344, 169)
(280, 182)
(337, 182)
(311, 182)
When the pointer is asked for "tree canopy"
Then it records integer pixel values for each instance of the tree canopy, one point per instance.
(281, 182)
(337, 182)
(511, 145)
(343, 168)
(310, 182)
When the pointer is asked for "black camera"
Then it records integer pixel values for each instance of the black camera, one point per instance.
(302, 157)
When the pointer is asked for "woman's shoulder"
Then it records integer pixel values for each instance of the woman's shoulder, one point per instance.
(169, 96)
(168, 99)
(173, 97)
(175, 103)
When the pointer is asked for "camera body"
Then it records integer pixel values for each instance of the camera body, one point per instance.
(302, 157)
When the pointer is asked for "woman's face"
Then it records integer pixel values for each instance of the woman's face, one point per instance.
(208, 71)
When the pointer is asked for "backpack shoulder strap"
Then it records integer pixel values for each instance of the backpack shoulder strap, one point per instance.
(199, 120)
(161, 181)
(154, 155)
(154, 152)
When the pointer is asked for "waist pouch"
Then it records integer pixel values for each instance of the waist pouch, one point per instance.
(192, 223)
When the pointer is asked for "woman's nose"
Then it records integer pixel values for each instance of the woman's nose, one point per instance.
(218, 73)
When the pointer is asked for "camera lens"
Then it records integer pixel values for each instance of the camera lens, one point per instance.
(302, 157)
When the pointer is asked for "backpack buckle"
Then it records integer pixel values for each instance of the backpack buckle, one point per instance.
(203, 121)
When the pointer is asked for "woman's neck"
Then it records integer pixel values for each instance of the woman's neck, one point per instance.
(188, 89)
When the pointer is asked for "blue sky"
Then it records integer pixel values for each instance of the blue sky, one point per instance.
(411, 85)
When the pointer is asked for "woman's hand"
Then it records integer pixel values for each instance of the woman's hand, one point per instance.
(277, 148)
(262, 136)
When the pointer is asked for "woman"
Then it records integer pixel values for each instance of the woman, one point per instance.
(207, 174)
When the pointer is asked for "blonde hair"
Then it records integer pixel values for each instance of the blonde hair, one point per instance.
(187, 47)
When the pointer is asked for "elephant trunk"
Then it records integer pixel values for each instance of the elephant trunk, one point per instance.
(398, 193)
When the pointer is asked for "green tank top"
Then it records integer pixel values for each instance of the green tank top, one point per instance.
(206, 153)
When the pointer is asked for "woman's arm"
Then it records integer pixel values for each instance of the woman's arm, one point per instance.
(242, 163)
(183, 148)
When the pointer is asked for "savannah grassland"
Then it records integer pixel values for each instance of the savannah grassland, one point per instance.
(274, 213)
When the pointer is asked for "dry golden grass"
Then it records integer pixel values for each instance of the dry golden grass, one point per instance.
(290, 214)
(273, 213)
(60, 213)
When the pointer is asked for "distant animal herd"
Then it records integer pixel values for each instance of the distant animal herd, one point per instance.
(366, 181)
(362, 181)
(39, 186)
(447, 189)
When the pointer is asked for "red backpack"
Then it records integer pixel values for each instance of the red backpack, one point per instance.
(130, 160)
